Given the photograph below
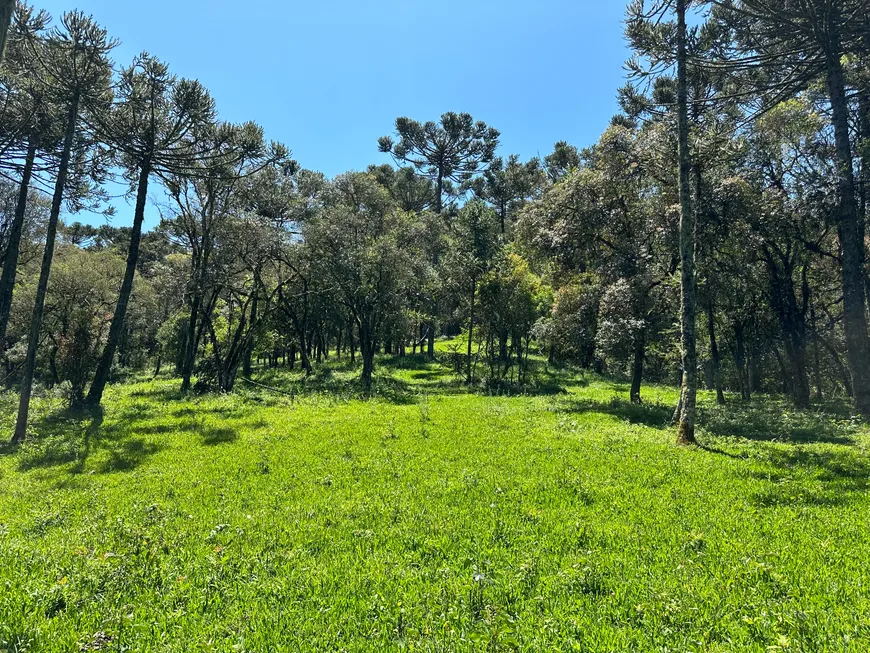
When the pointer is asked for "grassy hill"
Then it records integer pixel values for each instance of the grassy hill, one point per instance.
(431, 518)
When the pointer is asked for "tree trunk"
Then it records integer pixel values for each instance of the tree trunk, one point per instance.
(851, 240)
(470, 375)
(838, 363)
(367, 349)
(637, 367)
(249, 348)
(7, 9)
(101, 376)
(714, 354)
(817, 369)
(686, 426)
(740, 362)
(44, 273)
(430, 341)
(10, 266)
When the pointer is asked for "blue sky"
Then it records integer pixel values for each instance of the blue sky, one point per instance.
(327, 78)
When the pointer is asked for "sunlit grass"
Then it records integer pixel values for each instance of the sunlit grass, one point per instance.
(431, 517)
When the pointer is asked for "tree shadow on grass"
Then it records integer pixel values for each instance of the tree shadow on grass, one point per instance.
(129, 455)
(774, 420)
(650, 414)
(66, 437)
(223, 435)
(70, 437)
(804, 476)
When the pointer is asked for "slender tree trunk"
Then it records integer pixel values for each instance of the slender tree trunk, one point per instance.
(637, 367)
(470, 375)
(740, 362)
(851, 239)
(194, 328)
(101, 376)
(838, 363)
(686, 426)
(10, 267)
(714, 354)
(44, 274)
(367, 349)
(7, 9)
(817, 368)
(249, 348)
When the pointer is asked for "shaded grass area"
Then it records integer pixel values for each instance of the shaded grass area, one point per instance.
(432, 517)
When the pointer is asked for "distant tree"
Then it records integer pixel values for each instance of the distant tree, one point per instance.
(410, 191)
(561, 161)
(507, 185)
(452, 150)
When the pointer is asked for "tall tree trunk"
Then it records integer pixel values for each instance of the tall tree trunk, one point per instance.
(470, 375)
(637, 367)
(104, 367)
(686, 425)
(838, 363)
(817, 368)
(44, 273)
(740, 362)
(714, 354)
(191, 340)
(367, 349)
(851, 239)
(10, 266)
(7, 9)
(249, 348)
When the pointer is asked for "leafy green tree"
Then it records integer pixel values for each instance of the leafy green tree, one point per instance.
(474, 245)
(361, 245)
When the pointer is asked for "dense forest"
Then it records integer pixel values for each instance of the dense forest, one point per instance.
(713, 237)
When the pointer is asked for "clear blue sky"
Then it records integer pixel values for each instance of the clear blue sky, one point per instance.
(328, 77)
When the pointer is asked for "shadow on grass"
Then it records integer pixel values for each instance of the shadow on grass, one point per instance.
(71, 436)
(839, 475)
(129, 455)
(774, 420)
(398, 380)
(222, 435)
(652, 415)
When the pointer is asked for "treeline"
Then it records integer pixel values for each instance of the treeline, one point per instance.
(714, 235)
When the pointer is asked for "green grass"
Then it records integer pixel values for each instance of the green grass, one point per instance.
(432, 518)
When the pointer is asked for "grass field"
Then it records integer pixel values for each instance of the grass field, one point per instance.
(432, 518)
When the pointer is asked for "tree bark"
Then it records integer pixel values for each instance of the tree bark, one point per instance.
(851, 240)
(686, 425)
(104, 367)
(637, 367)
(249, 349)
(7, 9)
(367, 350)
(44, 274)
(470, 375)
(10, 266)
(740, 362)
(714, 354)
